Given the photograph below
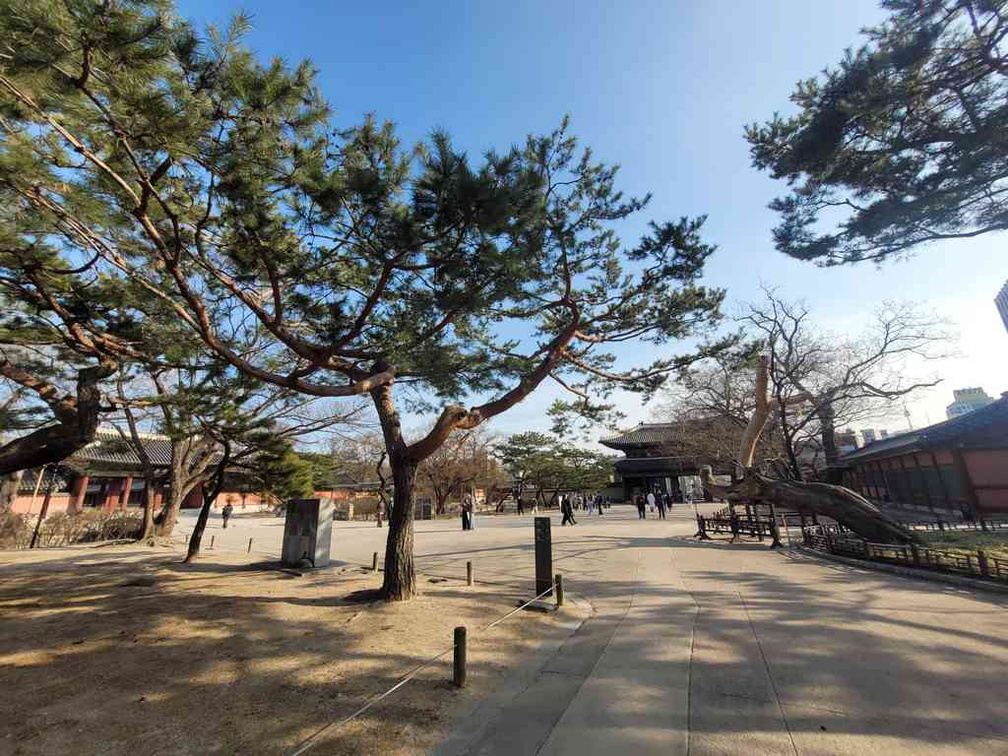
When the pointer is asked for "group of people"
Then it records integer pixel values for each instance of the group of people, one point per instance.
(656, 501)
(653, 500)
(588, 503)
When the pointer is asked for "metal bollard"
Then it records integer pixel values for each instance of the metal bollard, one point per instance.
(459, 671)
(250, 546)
(558, 590)
(469, 573)
(374, 562)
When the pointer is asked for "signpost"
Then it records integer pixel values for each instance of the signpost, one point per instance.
(543, 555)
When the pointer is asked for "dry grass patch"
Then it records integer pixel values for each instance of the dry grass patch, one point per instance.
(124, 651)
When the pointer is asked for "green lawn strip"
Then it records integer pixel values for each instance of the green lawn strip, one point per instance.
(967, 543)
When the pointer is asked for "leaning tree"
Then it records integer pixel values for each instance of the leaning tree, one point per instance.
(837, 502)
(904, 142)
(331, 263)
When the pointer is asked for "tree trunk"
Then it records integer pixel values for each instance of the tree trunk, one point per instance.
(9, 485)
(399, 583)
(843, 505)
(793, 464)
(827, 432)
(78, 420)
(440, 499)
(148, 521)
(164, 522)
(847, 507)
(197, 535)
(400, 579)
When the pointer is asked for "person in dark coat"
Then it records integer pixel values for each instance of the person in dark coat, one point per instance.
(640, 506)
(226, 513)
(567, 508)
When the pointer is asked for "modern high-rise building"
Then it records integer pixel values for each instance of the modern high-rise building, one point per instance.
(1001, 300)
(967, 400)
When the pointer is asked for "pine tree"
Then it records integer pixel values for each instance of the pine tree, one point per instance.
(328, 262)
(906, 139)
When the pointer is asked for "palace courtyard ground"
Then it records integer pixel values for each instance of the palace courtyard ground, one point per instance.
(668, 646)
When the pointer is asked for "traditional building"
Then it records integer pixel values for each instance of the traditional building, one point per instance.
(656, 460)
(107, 474)
(957, 468)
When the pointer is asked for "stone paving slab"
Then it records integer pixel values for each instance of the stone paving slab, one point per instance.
(788, 654)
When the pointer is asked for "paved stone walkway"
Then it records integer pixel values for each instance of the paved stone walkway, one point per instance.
(710, 648)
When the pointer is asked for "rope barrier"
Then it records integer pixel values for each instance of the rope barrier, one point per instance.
(312, 739)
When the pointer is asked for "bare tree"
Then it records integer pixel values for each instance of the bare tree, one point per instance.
(709, 407)
(841, 504)
(460, 464)
(821, 381)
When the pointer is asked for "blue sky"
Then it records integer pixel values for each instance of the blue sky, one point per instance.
(664, 89)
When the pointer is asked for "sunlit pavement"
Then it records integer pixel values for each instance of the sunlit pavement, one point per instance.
(714, 648)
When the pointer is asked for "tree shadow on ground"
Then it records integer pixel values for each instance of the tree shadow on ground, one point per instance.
(144, 654)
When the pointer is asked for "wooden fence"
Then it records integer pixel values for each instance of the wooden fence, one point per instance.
(836, 539)
(745, 520)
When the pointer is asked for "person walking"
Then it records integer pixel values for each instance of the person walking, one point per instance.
(567, 508)
(651, 500)
(639, 500)
(661, 505)
(464, 512)
(599, 503)
(521, 507)
(226, 513)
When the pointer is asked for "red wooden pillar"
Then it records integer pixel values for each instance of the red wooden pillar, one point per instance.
(110, 494)
(124, 495)
(79, 491)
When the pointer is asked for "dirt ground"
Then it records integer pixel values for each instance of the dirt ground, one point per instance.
(123, 650)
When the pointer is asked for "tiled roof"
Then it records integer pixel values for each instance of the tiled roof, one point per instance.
(111, 449)
(994, 415)
(645, 434)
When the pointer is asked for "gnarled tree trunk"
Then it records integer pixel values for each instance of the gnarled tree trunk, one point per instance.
(841, 504)
(77, 419)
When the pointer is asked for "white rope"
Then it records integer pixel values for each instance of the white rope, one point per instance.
(311, 740)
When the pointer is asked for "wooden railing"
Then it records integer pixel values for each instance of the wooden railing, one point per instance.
(835, 539)
(748, 522)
